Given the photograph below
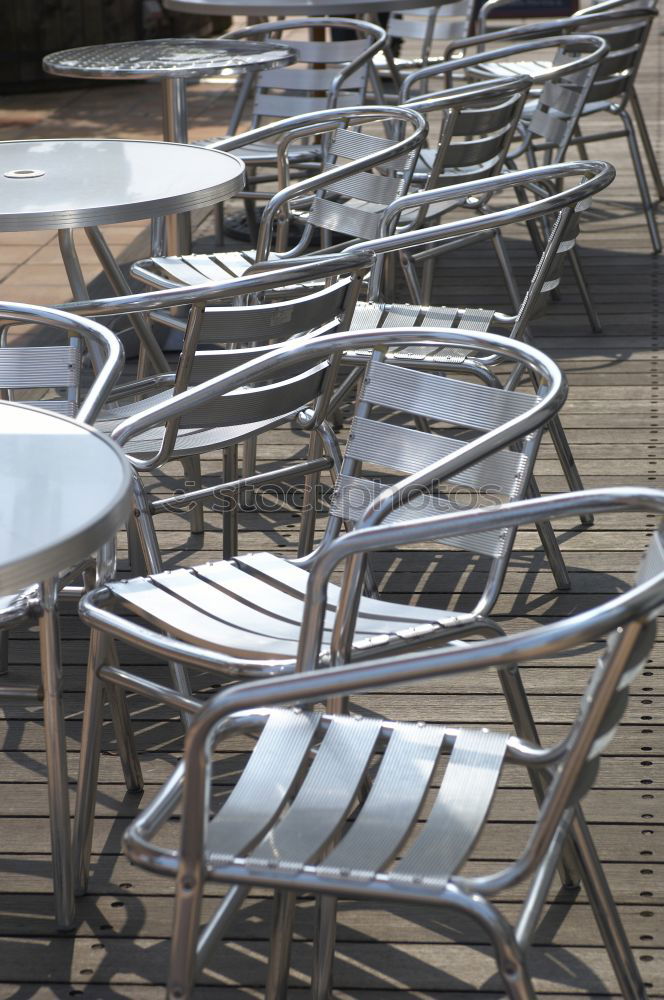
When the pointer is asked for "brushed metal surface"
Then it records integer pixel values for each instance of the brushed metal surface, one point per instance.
(95, 182)
(65, 492)
(275, 8)
(184, 58)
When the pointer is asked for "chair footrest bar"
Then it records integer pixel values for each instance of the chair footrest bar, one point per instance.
(156, 692)
(15, 693)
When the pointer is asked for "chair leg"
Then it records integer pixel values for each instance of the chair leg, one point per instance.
(137, 566)
(509, 955)
(324, 941)
(427, 280)
(606, 913)
(246, 497)
(641, 181)
(550, 545)
(310, 499)
(412, 281)
(184, 937)
(122, 727)
(219, 235)
(512, 968)
(88, 770)
(191, 466)
(566, 459)
(579, 143)
(588, 304)
(144, 527)
(283, 913)
(647, 144)
(152, 556)
(229, 513)
(56, 760)
(505, 266)
(518, 705)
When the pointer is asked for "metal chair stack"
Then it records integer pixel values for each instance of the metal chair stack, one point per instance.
(624, 26)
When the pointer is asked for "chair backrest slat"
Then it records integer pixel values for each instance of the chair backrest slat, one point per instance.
(352, 144)
(39, 367)
(252, 405)
(376, 189)
(275, 322)
(440, 398)
(352, 496)
(405, 450)
(344, 218)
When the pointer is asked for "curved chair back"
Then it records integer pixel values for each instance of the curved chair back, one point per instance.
(327, 73)
(429, 25)
(219, 338)
(624, 25)
(563, 66)
(381, 447)
(49, 371)
(262, 326)
(476, 124)
(626, 33)
(589, 178)
(363, 173)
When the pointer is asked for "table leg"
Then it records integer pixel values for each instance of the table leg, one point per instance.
(58, 789)
(79, 291)
(174, 97)
(150, 349)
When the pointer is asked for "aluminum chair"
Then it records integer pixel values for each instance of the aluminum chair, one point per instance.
(364, 173)
(327, 73)
(562, 209)
(45, 365)
(244, 617)
(625, 27)
(285, 823)
(428, 26)
(218, 338)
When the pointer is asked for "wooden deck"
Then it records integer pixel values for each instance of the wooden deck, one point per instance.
(615, 421)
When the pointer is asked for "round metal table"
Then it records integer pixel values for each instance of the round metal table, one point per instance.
(173, 61)
(65, 184)
(300, 8)
(65, 493)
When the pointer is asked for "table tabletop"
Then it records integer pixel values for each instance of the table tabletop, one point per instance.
(183, 58)
(65, 492)
(69, 183)
(304, 8)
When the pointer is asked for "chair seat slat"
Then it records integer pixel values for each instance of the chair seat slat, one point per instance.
(257, 798)
(392, 805)
(324, 798)
(460, 809)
